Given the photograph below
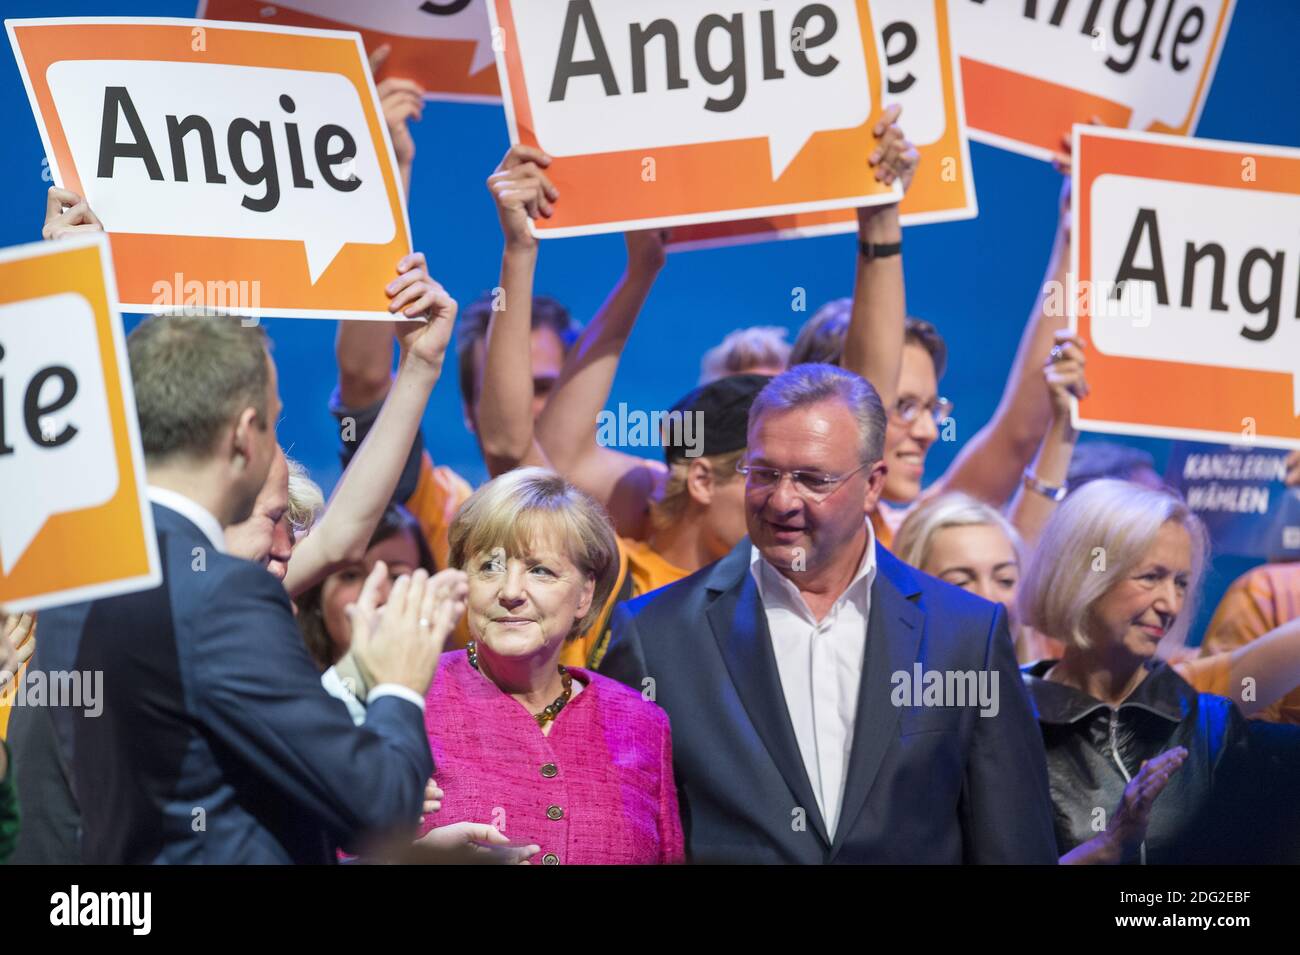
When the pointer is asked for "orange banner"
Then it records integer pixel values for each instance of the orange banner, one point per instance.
(238, 170)
(75, 524)
(445, 45)
(1186, 287)
(1032, 70)
(922, 75)
(693, 115)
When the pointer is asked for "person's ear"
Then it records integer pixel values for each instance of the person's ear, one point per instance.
(875, 486)
(584, 603)
(243, 438)
(700, 481)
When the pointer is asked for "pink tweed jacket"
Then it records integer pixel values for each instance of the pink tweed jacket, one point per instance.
(598, 790)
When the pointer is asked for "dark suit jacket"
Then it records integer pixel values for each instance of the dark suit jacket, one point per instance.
(217, 743)
(925, 784)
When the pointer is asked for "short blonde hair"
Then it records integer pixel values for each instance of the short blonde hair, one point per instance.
(745, 350)
(527, 505)
(1097, 537)
(306, 500)
(915, 537)
(670, 508)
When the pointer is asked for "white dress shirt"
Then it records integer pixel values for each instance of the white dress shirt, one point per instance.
(820, 665)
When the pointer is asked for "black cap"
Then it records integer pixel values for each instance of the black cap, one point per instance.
(720, 417)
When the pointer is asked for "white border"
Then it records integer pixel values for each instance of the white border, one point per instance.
(1077, 133)
(663, 222)
(56, 174)
(1198, 105)
(153, 576)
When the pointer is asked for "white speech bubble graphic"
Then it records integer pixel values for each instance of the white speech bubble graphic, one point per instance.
(1130, 61)
(322, 217)
(433, 20)
(787, 111)
(37, 482)
(912, 27)
(1238, 220)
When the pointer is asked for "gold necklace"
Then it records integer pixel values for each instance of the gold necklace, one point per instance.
(553, 709)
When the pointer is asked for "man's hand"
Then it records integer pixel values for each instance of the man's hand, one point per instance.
(1064, 373)
(416, 296)
(645, 251)
(402, 101)
(67, 213)
(522, 192)
(400, 642)
(893, 159)
(470, 843)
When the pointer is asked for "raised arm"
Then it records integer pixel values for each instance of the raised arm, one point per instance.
(1270, 666)
(368, 482)
(1064, 377)
(401, 100)
(503, 411)
(873, 345)
(991, 463)
(566, 429)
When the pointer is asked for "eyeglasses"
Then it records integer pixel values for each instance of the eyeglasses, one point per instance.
(810, 485)
(907, 409)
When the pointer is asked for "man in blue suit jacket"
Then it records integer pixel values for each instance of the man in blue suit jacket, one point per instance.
(216, 742)
(828, 703)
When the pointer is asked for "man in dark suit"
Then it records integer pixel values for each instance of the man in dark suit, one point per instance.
(216, 742)
(828, 703)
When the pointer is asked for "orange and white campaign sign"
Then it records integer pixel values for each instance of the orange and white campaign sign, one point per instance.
(689, 111)
(238, 169)
(444, 45)
(75, 524)
(1187, 259)
(922, 75)
(1032, 69)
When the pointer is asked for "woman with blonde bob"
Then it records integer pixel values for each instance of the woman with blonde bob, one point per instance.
(554, 756)
(972, 545)
(1113, 578)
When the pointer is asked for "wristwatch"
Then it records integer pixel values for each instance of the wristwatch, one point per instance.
(879, 250)
(1054, 494)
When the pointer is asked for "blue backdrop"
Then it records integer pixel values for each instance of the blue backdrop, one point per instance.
(975, 280)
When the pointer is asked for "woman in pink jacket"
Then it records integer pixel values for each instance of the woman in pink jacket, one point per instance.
(553, 756)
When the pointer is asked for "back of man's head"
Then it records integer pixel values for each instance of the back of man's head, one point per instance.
(193, 377)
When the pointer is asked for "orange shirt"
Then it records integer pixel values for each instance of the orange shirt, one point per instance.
(640, 570)
(884, 533)
(1257, 602)
(439, 494)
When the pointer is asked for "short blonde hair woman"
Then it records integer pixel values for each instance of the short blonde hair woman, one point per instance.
(1097, 538)
(971, 545)
(554, 756)
(1114, 577)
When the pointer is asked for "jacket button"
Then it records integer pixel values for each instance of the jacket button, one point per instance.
(549, 770)
(554, 812)
(550, 859)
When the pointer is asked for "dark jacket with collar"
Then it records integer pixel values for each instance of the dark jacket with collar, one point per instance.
(217, 742)
(924, 784)
(1229, 802)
